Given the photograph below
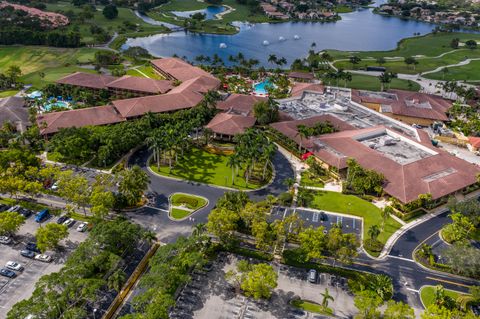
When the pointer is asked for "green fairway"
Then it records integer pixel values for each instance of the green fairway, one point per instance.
(204, 167)
(119, 24)
(54, 63)
(353, 205)
(8, 93)
(469, 72)
(427, 50)
(427, 294)
(372, 83)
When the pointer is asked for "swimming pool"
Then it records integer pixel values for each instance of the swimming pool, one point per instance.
(260, 88)
(59, 104)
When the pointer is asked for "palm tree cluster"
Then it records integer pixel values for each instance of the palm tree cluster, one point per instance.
(385, 79)
(304, 132)
(274, 60)
(464, 93)
(252, 148)
(339, 75)
(10, 79)
(312, 62)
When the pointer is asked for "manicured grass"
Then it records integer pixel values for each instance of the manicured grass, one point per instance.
(183, 5)
(53, 62)
(353, 205)
(145, 71)
(111, 26)
(427, 294)
(8, 93)
(372, 83)
(469, 72)
(190, 201)
(308, 180)
(177, 213)
(311, 306)
(201, 166)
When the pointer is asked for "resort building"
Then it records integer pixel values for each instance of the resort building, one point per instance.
(167, 98)
(409, 107)
(226, 125)
(121, 87)
(177, 69)
(405, 156)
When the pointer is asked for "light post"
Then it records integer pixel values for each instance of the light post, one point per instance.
(95, 313)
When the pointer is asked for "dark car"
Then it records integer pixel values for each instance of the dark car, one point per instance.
(32, 247)
(7, 273)
(4, 207)
(61, 219)
(27, 253)
(323, 216)
(25, 212)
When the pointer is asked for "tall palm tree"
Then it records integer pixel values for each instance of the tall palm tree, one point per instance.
(198, 230)
(373, 232)
(233, 161)
(326, 298)
(303, 132)
(385, 212)
(383, 286)
(272, 58)
(268, 152)
(154, 142)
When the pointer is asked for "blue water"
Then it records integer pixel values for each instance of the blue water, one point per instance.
(210, 12)
(357, 31)
(48, 107)
(261, 87)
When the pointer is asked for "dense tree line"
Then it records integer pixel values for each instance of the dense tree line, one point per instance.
(55, 38)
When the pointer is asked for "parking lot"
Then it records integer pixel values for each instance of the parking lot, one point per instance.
(210, 296)
(21, 287)
(316, 218)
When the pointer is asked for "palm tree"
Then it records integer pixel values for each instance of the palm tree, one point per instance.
(373, 232)
(116, 280)
(268, 152)
(207, 134)
(347, 77)
(439, 295)
(383, 286)
(233, 161)
(154, 142)
(326, 297)
(289, 182)
(385, 212)
(198, 230)
(272, 58)
(303, 132)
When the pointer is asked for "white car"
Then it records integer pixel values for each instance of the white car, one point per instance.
(5, 240)
(54, 186)
(82, 227)
(13, 266)
(44, 258)
(69, 222)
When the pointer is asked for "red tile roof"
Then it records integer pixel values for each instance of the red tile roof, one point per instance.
(179, 69)
(439, 174)
(200, 84)
(140, 84)
(301, 75)
(299, 88)
(88, 80)
(474, 141)
(230, 124)
(240, 103)
(406, 103)
(101, 115)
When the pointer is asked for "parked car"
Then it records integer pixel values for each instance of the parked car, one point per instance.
(42, 215)
(15, 208)
(312, 276)
(44, 258)
(5, 240)
(32, 247)
(69, 222)
(54, 187)
(7, 273)
(4, 207)
(82, 227)
(25, 212)
(61, 219)
(13, 266)
(27, 253)
(323, 216)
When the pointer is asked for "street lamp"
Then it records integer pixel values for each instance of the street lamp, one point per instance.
(94, 313)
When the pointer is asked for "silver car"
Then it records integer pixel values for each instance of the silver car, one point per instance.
(13, 266)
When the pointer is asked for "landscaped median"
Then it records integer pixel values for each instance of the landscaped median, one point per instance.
(427, 295)
(183, 205)
(199, 165)
(353, 205)
(311, 307)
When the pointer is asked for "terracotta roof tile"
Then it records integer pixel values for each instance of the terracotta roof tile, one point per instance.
(179, 69)
(230, 124)
(141, 84)
(299, 88)
(240, 103)
(88, 80)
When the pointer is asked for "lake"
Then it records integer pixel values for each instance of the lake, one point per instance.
(210, 12)
(361, 30)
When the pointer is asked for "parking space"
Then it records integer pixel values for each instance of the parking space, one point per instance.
(316, 218)
(15, 289)
(210, 296)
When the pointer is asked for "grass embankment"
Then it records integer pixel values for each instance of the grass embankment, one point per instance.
(353, 205)
(200, 166)
(310, 306)
(220, 26)
(52, 63)
(125, 16)
(426, 49)
(427, 294)
(469, 72)
(372, 83)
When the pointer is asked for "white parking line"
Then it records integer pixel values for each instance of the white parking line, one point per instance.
(401, 258)
(414, 290)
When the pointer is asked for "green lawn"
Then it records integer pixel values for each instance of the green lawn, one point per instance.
(469, 72)
(204, 167)
(53, 62)
(113, 25)
(372, 83)
(190, 201)
(8, 93)
(177, 213)
(311, 306)
(353, 205)
(426, 48)
(427, 294)
(145, 71)
(307, 180)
